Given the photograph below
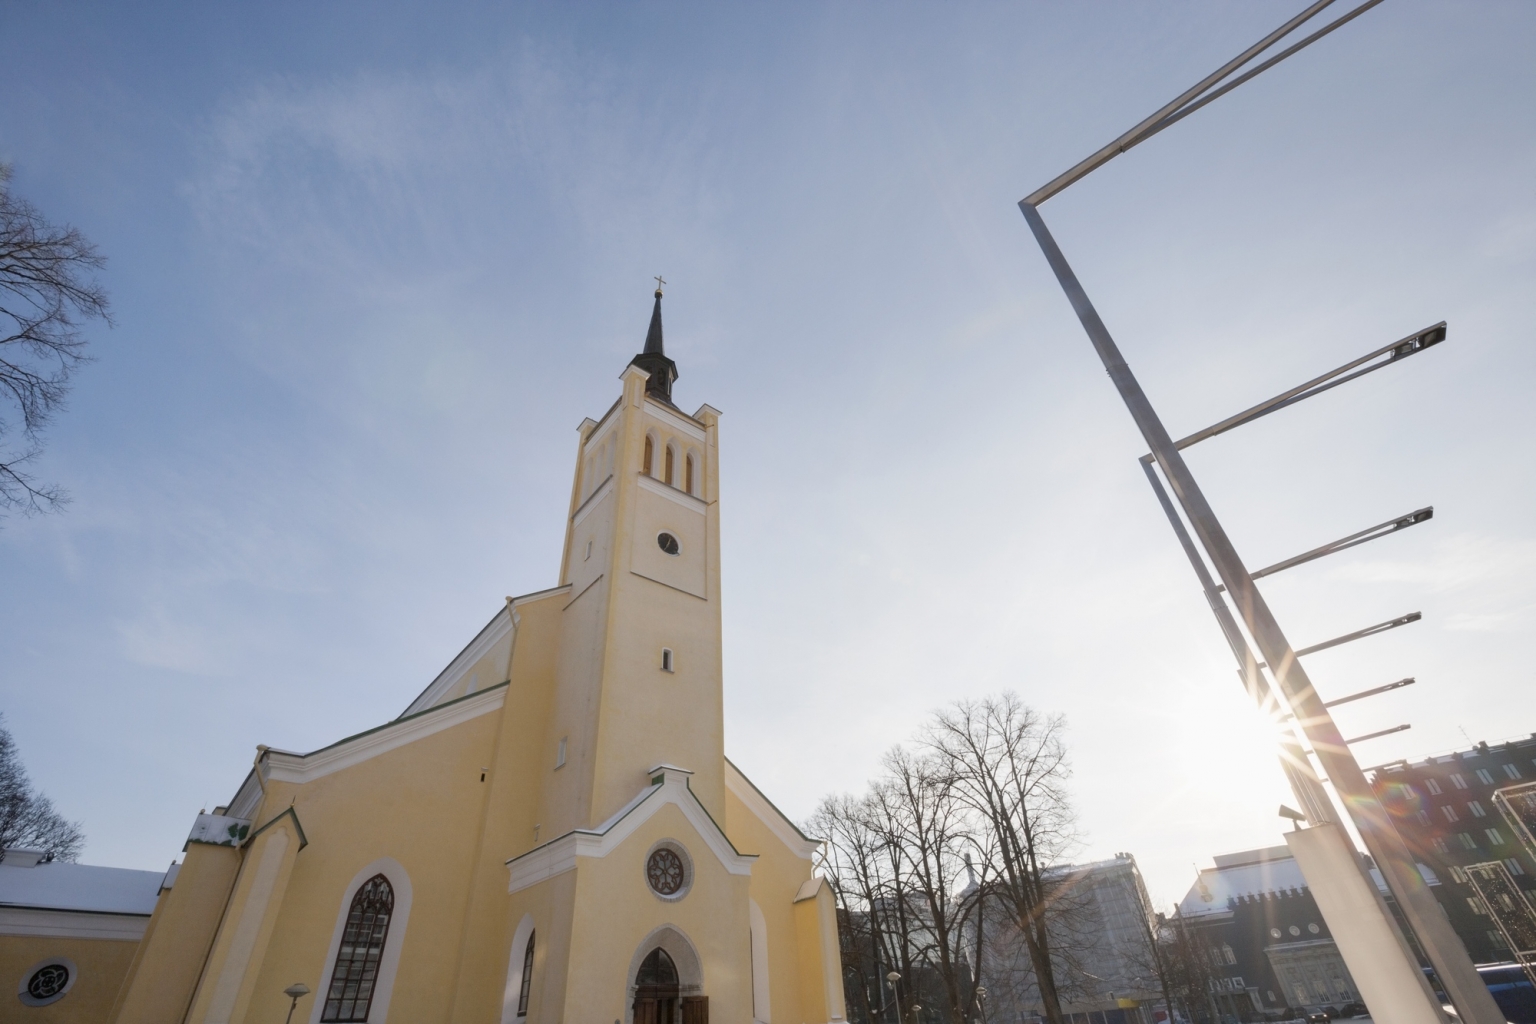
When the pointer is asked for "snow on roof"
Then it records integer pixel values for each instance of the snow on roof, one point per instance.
(80, 887)
(1250, 873)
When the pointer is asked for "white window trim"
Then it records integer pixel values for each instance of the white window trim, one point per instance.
(515, 972)
(758, 931)
(389, 963)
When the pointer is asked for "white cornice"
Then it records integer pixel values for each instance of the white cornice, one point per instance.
(593, 500)
(492, 634)
(285, 767)
(559, 855)
(782, 828)
(67, 924)
(601, 428)
(247, 798)
(671, 493)
(680, 421)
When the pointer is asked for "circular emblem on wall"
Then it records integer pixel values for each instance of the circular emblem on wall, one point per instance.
(668, 543)
(47, 981)
(669, 870)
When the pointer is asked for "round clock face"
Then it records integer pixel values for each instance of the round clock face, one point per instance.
(667, 543)
(664, 871)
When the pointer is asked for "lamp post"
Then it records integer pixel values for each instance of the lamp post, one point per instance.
(293, 992)
(891, 979)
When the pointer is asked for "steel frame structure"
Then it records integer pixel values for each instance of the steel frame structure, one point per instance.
(1286, 685)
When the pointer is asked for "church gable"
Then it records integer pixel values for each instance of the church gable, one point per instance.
(669, 787)
(773, 819)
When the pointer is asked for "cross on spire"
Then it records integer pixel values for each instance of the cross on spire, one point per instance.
(659, 282)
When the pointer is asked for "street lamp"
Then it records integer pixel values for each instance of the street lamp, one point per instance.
(892, 978)
(293, 992)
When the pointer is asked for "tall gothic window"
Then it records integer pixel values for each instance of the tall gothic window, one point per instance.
(362, 946)
(671, 453)
(688, 475)
(645, 463)
(522, 993)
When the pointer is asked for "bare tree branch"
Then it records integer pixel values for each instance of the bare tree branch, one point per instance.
(27, 819)
(46, 292)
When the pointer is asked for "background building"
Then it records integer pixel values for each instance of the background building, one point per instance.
(1253, 918)
(1444, 808)
(1101, 927)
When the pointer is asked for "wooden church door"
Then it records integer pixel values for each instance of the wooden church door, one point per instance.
(656, 991)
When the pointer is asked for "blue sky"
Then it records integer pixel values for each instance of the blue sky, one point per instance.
(373, 263)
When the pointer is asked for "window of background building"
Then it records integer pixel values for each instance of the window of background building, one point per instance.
(1494, 836)
(1458, 781)
(1449, 812)
(1485, 776)
(1467, 841)
(1476, 809)
(1476, 905)
(1514, 866)
(1423, 817)
(1432, 786)
(1440, 845)
(1512, 771)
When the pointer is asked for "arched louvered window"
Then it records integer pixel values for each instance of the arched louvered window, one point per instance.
(645, 463)
(522, 993)
(671, 454)
(362, 947)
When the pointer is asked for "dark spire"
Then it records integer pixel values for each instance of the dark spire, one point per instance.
(653, 360)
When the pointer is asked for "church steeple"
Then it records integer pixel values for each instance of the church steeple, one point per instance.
(653, 360)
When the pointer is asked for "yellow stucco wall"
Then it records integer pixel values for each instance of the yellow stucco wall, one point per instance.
(186, 917)
(102, 964)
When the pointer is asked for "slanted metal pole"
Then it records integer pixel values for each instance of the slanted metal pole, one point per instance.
(1314, 799)
(1397, 865)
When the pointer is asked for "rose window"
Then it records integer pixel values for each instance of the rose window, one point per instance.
(664, 871)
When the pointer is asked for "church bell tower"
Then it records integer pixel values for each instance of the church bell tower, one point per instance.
(640, 673)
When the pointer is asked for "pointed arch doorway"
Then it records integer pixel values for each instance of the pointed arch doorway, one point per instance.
(659, 995)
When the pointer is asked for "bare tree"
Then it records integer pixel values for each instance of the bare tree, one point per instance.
(27, 818)
(927, 827)
(45, 294)
(850, 855)
(1008, 765)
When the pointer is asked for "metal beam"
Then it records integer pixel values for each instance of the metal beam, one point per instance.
(1294, 763)
(1380, 627)
(1379, 530)
(1136, 134)
(1384, 732)
(1371, 692)
(1399, 349)
(1192, 99)
(1392, 856)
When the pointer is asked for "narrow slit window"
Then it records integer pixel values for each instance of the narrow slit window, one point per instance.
(522, 992)
(688, 475)
(589, 551)
(645, 462)
(666, 659)
(356, 973)
(667, 468)
(560, 753)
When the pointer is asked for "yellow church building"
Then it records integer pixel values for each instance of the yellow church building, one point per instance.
(550, 833)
